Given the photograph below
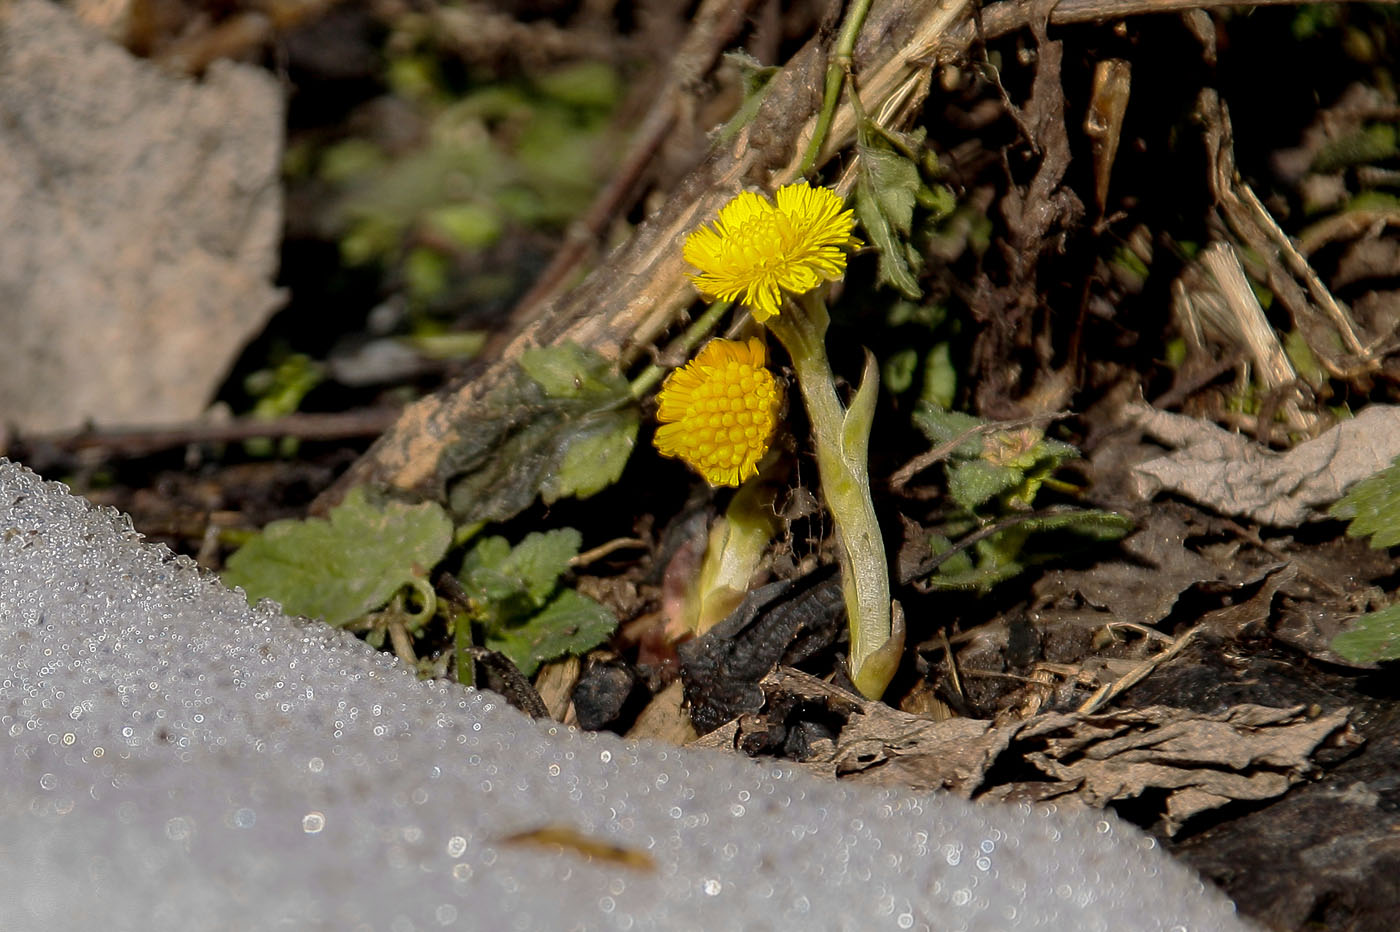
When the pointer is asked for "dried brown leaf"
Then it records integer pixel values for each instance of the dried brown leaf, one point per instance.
(1198, 762)
(1236, 476)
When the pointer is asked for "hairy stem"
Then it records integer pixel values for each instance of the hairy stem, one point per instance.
(682, 346)
(841, 437)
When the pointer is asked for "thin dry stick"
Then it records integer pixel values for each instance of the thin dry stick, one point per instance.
(1302, 268)
(953, 678)
(1134, 676)
(403, 644)
(1248, 218)
(1150, 633)
(138, 441)
(602, 550)
(924, 460)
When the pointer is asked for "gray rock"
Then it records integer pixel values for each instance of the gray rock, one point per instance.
(142, 214)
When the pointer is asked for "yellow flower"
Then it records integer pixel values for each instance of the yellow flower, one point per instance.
(718, 412)
(756, 250)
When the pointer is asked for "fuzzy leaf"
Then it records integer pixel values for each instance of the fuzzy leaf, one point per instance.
(1376, 636)
(975, 482)
(569, 624)
(940, 426)
(594, 455)
(886, 191)
(340, 568)
(1373, 507)
(570, 371)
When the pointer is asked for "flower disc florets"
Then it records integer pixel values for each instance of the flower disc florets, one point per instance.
(718, 412)
(756, 250)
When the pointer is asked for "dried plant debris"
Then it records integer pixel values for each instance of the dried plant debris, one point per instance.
(1324, 856)
(1235, 584)
(1201, 761)
(1185, 762)
(1235, 476)
(1159, 567)
(782, 622)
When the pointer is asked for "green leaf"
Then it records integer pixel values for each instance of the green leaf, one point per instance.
(569, 624)
(517, 602)
(1008, 552)
(1373, 507)
(570, 371)
(899, 370)
(940, 426)
(495, 571)
(860, 416)
(594, 84)
(887, 188)
(471, 226)
(940, 376)
(1093, 524)
(1374, 143)
(341, 568)
(594, 455)
(975, 482)
(1375, 637)
(563, 424)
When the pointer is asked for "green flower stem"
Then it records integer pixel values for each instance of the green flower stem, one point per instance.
(836, 70)
(462, 645)
(842, 439)
(683, 345)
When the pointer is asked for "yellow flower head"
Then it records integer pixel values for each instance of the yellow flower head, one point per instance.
(756, 250)
(718, 412)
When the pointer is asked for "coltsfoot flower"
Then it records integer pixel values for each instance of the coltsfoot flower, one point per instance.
(718, 412)
(756, 250)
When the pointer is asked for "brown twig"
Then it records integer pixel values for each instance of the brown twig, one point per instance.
(924, 460)
(127, 442)
(603, 550)
(1009, 16)
(1137, 674)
